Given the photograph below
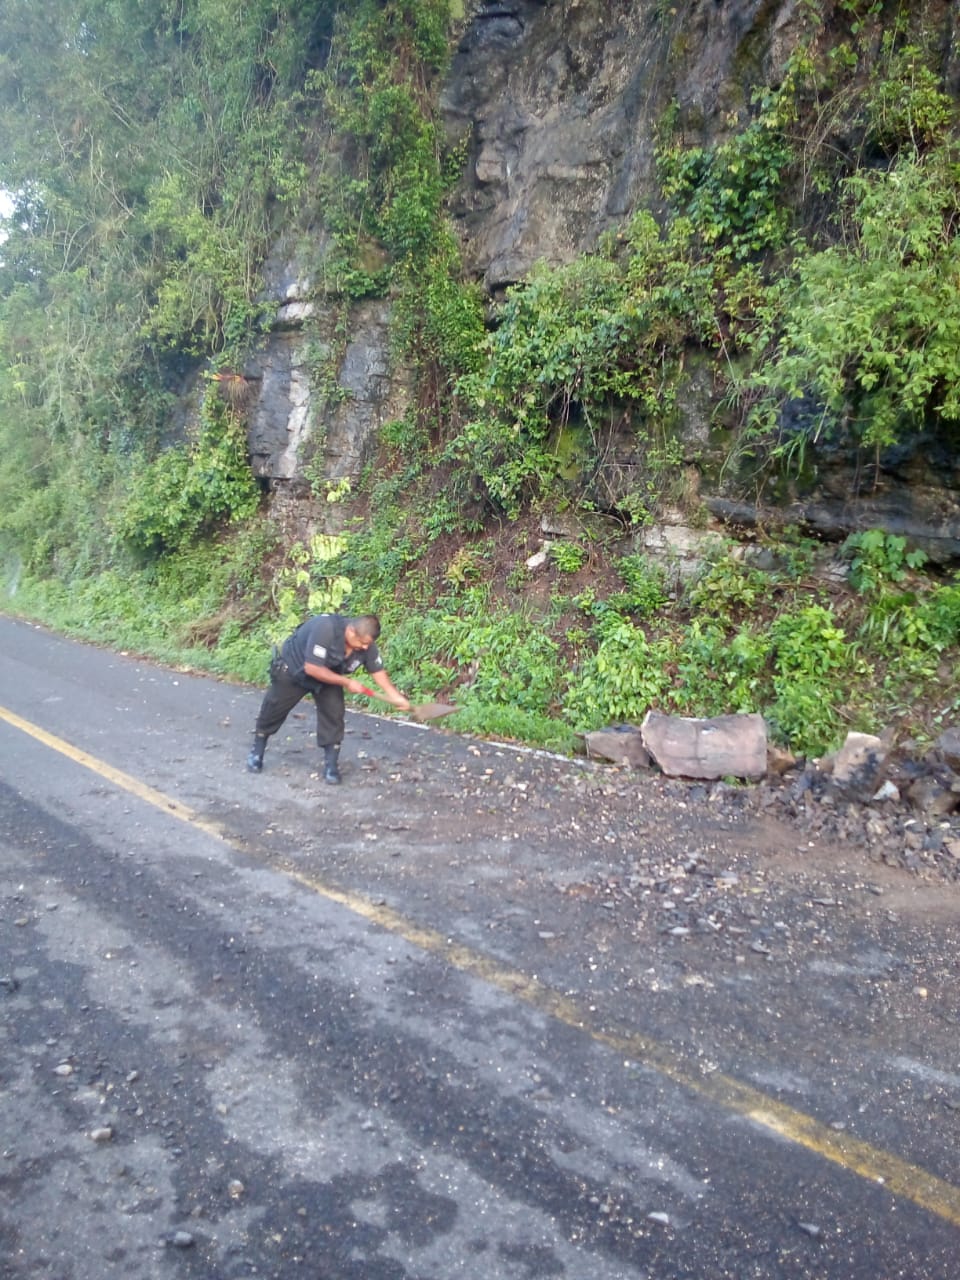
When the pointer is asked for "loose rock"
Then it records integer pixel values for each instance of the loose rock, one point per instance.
(724, 746)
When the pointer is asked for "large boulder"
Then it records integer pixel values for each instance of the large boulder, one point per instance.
(720, 747)
(621, 745)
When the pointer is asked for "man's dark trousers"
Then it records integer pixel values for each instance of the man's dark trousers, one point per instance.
(283, 695)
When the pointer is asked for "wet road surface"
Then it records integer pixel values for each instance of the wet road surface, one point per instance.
(441, 1021)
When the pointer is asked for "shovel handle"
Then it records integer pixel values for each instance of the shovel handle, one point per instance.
(372, 693)
(426, 711)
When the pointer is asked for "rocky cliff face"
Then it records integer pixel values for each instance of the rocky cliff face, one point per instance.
(556, 104)
(561, 103)
(296, 428)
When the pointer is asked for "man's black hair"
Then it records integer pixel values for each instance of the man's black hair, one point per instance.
(368, 624)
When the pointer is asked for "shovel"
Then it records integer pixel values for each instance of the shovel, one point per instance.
(425, 711)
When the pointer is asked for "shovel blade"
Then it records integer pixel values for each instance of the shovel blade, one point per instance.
(432, 711)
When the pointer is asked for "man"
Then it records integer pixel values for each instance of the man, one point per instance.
(320, 658)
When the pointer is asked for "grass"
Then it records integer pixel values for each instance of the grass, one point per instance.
(566, 651)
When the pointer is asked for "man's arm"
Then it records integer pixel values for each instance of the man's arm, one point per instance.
(390, 690)
(326, 676)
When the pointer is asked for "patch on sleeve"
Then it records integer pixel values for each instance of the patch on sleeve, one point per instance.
(319, 651)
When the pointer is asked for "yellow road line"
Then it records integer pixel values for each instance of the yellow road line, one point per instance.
(123, 780)
(898, 1176)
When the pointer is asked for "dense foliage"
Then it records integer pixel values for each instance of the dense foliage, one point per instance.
(148, 150)
(808, 260)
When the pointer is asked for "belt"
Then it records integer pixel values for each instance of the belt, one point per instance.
(278, 667)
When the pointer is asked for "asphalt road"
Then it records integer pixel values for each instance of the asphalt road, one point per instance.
(441, 1021)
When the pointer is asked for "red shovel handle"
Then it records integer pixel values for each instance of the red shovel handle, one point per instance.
(373, 693)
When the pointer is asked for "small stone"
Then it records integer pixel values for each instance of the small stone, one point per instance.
(64, 1069)
(662, 1218)
(235, 1189)
(933, 795)
(859, 767)
(948, 744)
(181, 1240)
(779, 761)
(811, 1229)
(889, 791)
(623, 746)
(103, 1134)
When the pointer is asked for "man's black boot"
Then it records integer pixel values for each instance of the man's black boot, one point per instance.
(331, 769)
(255, 758)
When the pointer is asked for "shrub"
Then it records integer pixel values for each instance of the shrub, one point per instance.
(878, 558)
(622, 680)
(645, 586)
(191, 488)
(718, 675)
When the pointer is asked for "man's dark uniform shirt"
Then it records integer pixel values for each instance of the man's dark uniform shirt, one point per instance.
(322, 642)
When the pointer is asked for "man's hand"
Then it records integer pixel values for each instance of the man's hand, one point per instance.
(400, 702)
(354, 686)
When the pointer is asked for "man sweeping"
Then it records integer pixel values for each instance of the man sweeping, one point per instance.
(320, 659)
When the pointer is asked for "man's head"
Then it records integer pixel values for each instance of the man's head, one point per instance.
(361, 632)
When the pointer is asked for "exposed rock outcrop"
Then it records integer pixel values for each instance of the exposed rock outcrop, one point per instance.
(557, 106)
(561, 103)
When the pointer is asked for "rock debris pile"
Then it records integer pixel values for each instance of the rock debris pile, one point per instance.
(900, 806)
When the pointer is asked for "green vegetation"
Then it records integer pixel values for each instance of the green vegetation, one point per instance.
(807, 263)
(151, 153)
(189, 489)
